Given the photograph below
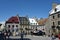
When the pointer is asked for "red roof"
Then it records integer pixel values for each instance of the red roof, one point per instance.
(13, 19)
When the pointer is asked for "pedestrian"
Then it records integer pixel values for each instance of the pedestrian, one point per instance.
(59, 36)
(22, 36)
(53, 37)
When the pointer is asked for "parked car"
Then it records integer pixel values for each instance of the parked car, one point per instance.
(38, 33)
(56, 36)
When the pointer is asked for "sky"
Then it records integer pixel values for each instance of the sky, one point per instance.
(32, 8)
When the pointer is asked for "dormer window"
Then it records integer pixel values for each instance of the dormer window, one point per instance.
(55, 9)
(32, 20)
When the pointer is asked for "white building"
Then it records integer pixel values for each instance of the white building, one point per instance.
(33, 23)
(2, 26)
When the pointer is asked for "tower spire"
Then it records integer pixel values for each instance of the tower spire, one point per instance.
(17, 15)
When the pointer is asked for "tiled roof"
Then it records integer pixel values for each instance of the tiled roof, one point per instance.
(23, 20)
(42, 21)
(57, 7)
(13, 19)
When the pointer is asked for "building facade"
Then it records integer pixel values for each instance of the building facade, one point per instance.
(54, 19)
(13, 25)
(17, 24)
(33, 24)
(24, 23)
(42, 23)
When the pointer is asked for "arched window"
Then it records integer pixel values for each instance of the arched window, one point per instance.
(16, 25)
(13, 26)
(8, 26)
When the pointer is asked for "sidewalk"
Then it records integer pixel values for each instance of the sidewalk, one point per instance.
(25, 36)
(14, 37)
(32, 37)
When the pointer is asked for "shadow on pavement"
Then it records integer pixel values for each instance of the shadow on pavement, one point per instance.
(19, 39)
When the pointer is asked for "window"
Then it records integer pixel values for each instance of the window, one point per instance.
(58, 22)
(58, 27)
(53, 17)
(13, 30)
(24, 19)
(13, 26)
(55, 9)
(58, 15)
(36, 23)
(24, 22)
(16, 30)
(53, 23)
(32, 20)
(16, 25)
(27, 23)
(21, 19)
(8, 26)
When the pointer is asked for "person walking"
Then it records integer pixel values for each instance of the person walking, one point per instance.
(59, 36)
(53, 37)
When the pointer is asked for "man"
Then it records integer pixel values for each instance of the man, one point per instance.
(53, 37)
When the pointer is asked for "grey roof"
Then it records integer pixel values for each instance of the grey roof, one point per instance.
(24, 20)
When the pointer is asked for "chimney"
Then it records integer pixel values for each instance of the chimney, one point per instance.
(54, 5)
